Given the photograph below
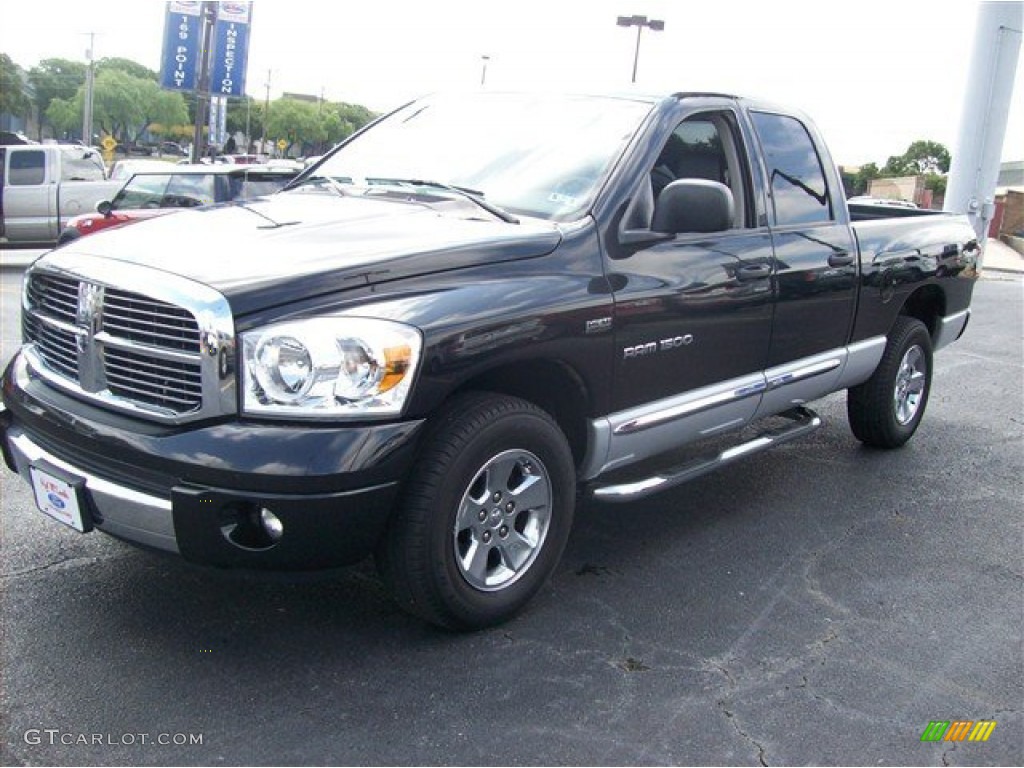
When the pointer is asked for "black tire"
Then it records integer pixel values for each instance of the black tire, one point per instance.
(454, 569)
(886, 410)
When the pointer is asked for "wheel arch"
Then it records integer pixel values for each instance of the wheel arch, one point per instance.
(927, 304)
(551, 385)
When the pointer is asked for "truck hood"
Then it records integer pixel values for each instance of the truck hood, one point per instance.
(270, 251)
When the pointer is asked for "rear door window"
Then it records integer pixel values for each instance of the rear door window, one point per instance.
(799, 190)
(27, 168)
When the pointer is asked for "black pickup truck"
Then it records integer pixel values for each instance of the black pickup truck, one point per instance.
(471, 312)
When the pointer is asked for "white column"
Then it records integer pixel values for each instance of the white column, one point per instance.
(976, 158)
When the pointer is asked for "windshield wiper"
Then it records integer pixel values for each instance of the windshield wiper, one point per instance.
(323, 181)
(473, 195)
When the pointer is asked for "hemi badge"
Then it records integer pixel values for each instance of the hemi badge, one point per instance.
(599, 325)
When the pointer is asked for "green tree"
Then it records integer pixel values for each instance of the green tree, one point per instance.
(65, 115)
(165, 113)
(245, 114)
(118, 103)
(127, 66)
(936, 183)
(863, 178)
(921, 158)
(295, 122)
(334, 129)
(13, 100)
(55, 79)
(340, 120)
(356, 115)
(124, 106)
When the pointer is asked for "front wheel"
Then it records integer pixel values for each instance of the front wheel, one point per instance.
(886, 410)
(484, 516)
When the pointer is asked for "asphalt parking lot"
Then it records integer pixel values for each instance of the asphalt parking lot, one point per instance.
(819, 604)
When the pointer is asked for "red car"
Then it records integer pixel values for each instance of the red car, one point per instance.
(157, 193)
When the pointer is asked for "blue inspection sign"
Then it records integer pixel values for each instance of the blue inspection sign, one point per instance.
(230, 48)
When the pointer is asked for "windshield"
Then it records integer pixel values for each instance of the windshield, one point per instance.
(538, 155)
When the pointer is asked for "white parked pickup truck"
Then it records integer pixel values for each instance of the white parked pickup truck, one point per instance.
(44, 185)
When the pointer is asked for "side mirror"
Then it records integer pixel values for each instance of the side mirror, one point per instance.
(104, 207)
(693, 205)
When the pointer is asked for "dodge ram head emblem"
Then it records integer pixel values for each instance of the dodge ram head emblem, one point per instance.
(89, 312)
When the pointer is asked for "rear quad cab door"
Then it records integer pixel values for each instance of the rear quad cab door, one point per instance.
(815, 251)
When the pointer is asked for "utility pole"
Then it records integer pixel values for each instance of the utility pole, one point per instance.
(483, 74)
(266, 114)
(90, 78)
(209, 14)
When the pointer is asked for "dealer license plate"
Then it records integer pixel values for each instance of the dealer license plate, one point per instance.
(62, 497)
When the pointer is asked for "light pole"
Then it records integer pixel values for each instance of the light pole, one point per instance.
(483, 73)
(266, 114)
(203, 96)
(640, 22)
(90, 83)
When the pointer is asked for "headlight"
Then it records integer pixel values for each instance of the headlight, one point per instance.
(327, 367)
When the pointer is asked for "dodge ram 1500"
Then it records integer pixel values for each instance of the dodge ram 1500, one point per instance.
(467, 314)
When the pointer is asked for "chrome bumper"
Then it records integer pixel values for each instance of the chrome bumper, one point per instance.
(126, 514)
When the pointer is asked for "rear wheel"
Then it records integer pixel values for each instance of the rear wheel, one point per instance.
(886, 410)
(484, 516)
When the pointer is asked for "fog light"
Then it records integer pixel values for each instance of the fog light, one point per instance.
(272, 524)
(250, 526)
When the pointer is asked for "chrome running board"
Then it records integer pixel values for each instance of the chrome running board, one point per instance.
(802, 421)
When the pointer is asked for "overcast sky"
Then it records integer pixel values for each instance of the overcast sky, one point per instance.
(874, 75)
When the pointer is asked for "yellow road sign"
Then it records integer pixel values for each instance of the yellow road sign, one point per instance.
(282, 144)
(108, 143)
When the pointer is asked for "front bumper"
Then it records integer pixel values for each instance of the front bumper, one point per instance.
(117, 510)
(194, 490)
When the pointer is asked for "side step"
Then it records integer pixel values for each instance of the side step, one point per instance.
(802, 421)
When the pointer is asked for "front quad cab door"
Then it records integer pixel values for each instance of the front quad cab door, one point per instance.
(691, 274)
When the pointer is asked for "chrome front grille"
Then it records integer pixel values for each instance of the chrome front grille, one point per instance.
(57, 297)
(149, 379)
(153, 345)
(148, 322)
(55, 345)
